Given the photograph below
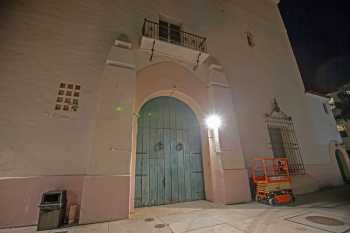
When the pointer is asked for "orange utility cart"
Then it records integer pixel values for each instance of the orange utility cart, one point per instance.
(272, 181)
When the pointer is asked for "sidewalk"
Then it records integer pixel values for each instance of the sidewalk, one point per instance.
(321, 212)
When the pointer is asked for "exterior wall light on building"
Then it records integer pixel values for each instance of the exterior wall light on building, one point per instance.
(213, 121)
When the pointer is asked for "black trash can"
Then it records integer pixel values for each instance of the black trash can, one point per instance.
(52, 210)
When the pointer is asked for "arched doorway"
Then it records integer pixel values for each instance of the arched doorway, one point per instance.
(344, 171)
(168, 156)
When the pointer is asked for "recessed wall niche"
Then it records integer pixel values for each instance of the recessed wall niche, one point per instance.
(250, 39)
(68, 97)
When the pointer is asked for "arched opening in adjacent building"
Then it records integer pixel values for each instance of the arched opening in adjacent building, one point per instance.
(344, 170)
(168, 155)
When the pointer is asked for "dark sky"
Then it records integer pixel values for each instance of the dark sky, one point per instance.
(319, 31)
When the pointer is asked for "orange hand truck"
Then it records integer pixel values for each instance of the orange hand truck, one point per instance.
(273, 181)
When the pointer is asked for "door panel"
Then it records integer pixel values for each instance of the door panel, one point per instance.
(187, 167)
(181, 169)
(167, 183)
(138, 167)
(145, 168)
(174, 168)
(197, 173)
(168, 161)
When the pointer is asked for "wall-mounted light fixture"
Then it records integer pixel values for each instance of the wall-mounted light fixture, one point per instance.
(213, 121)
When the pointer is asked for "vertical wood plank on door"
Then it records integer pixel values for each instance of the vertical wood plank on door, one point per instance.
(187, 166)
(155, 147)
(197, 168)
(174, 168)
(160, 171)
(145, 169)
(167, 167)
(145, 164)
(138, 167)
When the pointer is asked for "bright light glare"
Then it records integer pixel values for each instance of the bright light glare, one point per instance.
(213, 121)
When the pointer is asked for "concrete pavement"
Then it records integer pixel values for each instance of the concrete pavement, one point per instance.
(324, 211)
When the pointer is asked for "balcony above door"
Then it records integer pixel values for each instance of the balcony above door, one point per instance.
(167, 39)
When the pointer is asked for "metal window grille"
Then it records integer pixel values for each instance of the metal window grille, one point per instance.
(173, 34)
(283, 140)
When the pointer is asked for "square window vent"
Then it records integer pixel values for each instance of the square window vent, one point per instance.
(68, 97)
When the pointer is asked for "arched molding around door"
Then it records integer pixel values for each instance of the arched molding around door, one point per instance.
(173, 80)
(178, 95)
(209, 72)
(205, 90)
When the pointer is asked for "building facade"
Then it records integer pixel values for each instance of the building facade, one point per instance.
(108, 100)
(339, 101)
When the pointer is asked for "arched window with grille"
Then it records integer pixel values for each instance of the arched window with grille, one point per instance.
(283, 140)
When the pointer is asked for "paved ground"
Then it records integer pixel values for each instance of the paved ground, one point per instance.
(205, 217)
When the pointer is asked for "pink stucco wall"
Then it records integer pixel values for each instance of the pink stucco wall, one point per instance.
(105, 198)
(37, 55)
(101, 198)
(19, 197)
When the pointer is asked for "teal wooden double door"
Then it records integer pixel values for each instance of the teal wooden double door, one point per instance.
(168, 157)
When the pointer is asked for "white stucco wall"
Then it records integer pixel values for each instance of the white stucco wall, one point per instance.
(322, 164)
(44, 43)
(324, 124)
(48, 42)
(324, 127)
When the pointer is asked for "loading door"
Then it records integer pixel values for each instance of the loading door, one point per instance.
(168, 158)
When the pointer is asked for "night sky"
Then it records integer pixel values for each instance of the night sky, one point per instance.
(319, 31)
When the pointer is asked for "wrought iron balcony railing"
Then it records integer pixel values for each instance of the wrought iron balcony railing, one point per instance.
(172, 34)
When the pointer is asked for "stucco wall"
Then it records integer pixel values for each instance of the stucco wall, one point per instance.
(49, 42)
(324, 124)
(322, 165)
(20, 197)
(44, 43)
